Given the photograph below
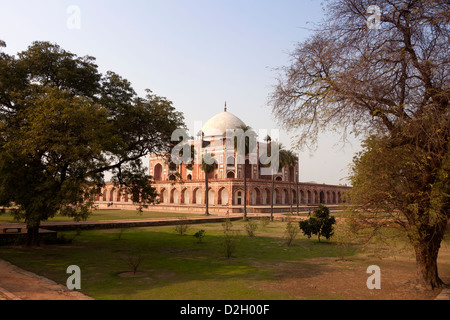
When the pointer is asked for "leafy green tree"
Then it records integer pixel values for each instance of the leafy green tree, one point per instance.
(391, 88)
(393, 184)
(63, 125)
(320, 223)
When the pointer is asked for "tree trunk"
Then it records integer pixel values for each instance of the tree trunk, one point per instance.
(298, 196)
(245, 190)
(426, 262)
(206, 195)
(271, 197)
(33, 236)
(290, 191)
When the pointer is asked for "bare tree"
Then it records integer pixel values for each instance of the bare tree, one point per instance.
(390, 86)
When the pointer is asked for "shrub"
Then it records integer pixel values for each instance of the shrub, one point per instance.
(199, 235)
(290, 232)
(230, 238)
(251, 227)
(229, 242)
(181, 227)
(265, 221)
(320, 223)
(134, 261)
(227, 225)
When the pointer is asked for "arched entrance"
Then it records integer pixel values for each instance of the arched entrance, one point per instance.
(256, 196)
(284, 196)
(265, 196)
(322, 197)
(230, 175)
(223, 196)
(196, 196)
(239, 197)
(174, 196)
(163, 196)
(211, 196)
(157, 172)
(184, 196)
(276, 196)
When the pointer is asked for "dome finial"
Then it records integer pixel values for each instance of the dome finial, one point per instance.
(225, 108)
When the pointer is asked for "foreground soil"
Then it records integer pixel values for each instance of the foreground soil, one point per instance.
(328, 278)
(18, 284)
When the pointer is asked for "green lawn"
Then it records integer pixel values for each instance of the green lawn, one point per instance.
(177, 267)
(173, 266)
(111, 215)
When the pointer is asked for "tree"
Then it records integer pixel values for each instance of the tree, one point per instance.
(281, 160)
(208, 166)
(404, 192)
(389, 86)
(63, 125)
(248, 137)
(297, 192)
(289, 160)
(320, 223)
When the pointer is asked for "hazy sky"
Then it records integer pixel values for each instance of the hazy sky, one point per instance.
(197, 53)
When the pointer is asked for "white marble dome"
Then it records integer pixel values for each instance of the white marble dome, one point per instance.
(219, 124)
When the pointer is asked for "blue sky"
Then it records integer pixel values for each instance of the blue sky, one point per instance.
(197, 53)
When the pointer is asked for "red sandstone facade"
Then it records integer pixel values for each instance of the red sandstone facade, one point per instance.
(182, 188)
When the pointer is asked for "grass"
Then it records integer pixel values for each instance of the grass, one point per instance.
(105, 214)
(173, 266)
(178, 267)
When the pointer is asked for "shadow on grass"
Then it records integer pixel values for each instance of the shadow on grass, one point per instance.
(175, 266)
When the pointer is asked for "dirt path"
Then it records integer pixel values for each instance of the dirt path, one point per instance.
(328, 278)
(18, 284)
